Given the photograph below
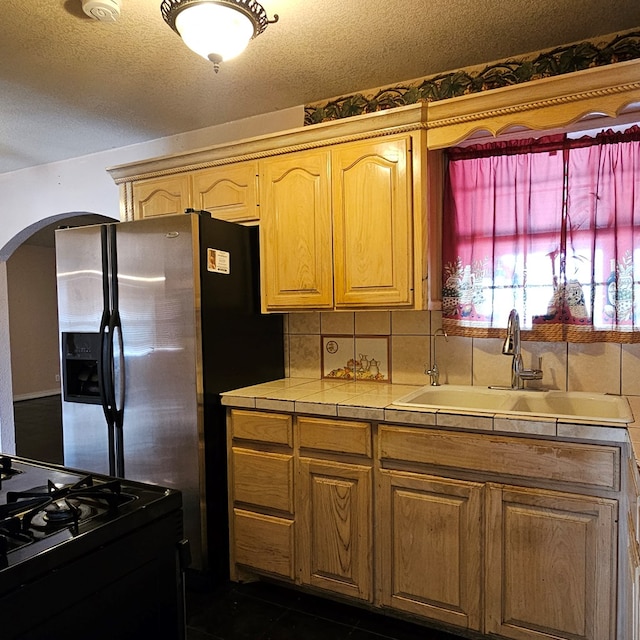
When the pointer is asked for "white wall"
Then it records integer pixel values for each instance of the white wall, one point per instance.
(33, 198)
(83, 185)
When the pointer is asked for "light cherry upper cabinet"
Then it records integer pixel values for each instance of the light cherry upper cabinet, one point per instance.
(342, 227)
(373, 223)
(229, 192)
(348, 210)
(384, 224)
(163, 196)
(295, 232)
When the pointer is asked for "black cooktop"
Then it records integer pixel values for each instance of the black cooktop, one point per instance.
(50, 514)
(86, 555)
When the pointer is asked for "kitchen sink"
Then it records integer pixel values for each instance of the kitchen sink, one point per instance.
(457, 397)
(564, 405)
(576, 404)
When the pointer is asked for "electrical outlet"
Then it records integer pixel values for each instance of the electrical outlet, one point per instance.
(57, 378)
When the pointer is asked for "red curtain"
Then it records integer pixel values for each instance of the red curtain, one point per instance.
(547, 226)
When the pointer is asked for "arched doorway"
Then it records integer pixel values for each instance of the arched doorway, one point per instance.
(36, 239)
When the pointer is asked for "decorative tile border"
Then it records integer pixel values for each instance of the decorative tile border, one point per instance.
(359, 358)
(558, 61)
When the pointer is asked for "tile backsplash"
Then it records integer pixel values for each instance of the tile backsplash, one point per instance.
(599, 367)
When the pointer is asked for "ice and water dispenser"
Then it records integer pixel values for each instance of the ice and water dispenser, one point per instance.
(80, 357)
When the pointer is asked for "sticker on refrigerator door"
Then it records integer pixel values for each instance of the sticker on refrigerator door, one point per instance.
(218, 261)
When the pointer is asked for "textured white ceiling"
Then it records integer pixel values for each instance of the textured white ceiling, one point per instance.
(70, 85)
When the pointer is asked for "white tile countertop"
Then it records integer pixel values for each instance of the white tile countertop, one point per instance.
(372, 401)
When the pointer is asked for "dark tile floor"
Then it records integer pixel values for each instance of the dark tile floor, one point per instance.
(254, 611)
(264, 611)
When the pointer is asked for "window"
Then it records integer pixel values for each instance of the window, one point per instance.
(550, 227)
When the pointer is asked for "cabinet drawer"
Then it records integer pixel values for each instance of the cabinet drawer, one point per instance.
(263, 479)
(581, 464)
(335, 435)
(262, 427)
(264, 542)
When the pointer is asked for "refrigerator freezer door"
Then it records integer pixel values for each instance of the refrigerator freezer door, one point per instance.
(159, 308)
(80, 306)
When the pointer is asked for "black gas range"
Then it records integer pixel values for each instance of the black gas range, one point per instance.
(88, 556)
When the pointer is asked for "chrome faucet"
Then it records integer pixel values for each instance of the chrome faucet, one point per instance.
(511, 347)
(434, 371)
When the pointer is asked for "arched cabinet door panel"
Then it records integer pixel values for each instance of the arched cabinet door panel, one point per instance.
(164, 196)
(373, 223)
(229, 192)
(295, 232)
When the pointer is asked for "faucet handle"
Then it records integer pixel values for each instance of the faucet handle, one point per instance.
(532, 374)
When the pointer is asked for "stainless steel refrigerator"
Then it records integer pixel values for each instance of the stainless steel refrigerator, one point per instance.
(158, 317)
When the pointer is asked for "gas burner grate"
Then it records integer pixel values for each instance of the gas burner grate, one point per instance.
(53, 506)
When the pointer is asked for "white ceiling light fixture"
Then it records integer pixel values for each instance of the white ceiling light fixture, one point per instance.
(217, 30)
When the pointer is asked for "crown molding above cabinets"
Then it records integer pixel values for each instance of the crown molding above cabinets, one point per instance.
(349, 210)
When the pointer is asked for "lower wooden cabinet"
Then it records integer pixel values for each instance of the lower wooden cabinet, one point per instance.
(550, 565)
(632, 602)
(406, 531)
(630, 554)
(548, 558)
(261, 512)
(429, 543)
(334, 523)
